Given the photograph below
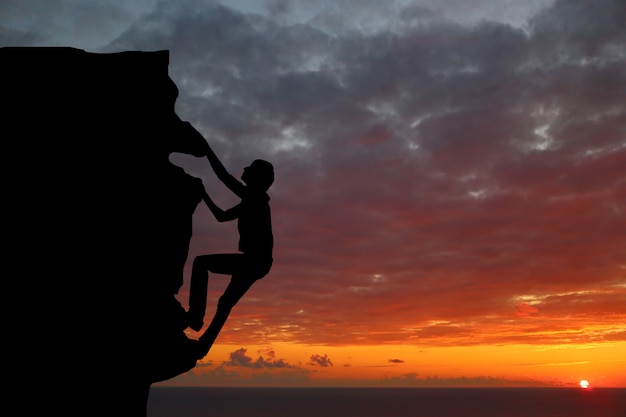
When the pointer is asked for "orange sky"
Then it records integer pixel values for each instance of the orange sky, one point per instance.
(409, 366)
(532, 344)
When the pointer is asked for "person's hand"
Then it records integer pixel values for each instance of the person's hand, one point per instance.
(196, 143)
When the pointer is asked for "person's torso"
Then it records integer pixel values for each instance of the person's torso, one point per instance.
(255, 226)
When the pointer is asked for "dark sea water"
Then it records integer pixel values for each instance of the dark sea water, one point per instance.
(386, 402)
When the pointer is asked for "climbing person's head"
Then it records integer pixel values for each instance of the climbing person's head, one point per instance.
(259, 175)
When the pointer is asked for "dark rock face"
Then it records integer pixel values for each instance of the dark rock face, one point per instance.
(99, 224)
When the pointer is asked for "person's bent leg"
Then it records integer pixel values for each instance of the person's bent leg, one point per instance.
(198, 291)
(198, 287)
(237, 287)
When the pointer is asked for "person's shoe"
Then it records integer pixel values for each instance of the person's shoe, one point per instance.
(194, 322)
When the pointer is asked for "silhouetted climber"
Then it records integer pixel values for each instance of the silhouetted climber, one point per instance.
(256, 242)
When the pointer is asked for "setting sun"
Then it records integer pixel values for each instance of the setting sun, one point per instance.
(584, 383)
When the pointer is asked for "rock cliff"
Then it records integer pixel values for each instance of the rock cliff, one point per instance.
(98, 224)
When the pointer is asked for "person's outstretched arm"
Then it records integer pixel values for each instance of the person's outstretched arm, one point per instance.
(231, 182)
(220, 215)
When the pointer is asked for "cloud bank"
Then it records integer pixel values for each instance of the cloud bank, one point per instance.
(439, 180)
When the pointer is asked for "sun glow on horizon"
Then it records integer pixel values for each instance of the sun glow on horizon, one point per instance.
(295, 364)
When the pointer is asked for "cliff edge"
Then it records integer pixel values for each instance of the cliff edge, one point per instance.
(99, 225)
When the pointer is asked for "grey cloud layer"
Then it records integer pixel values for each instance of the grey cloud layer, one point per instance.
(442, 157)
(426, 170)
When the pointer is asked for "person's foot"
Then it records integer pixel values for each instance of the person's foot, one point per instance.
(202, 349)
(194, 321)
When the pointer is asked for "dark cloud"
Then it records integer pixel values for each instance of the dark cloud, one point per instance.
(241, 359)
(582, 30)
(319, 360)
(396, 361)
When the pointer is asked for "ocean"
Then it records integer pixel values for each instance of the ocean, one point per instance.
(386, 402)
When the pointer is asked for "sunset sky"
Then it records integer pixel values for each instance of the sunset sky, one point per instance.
(450, 196)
